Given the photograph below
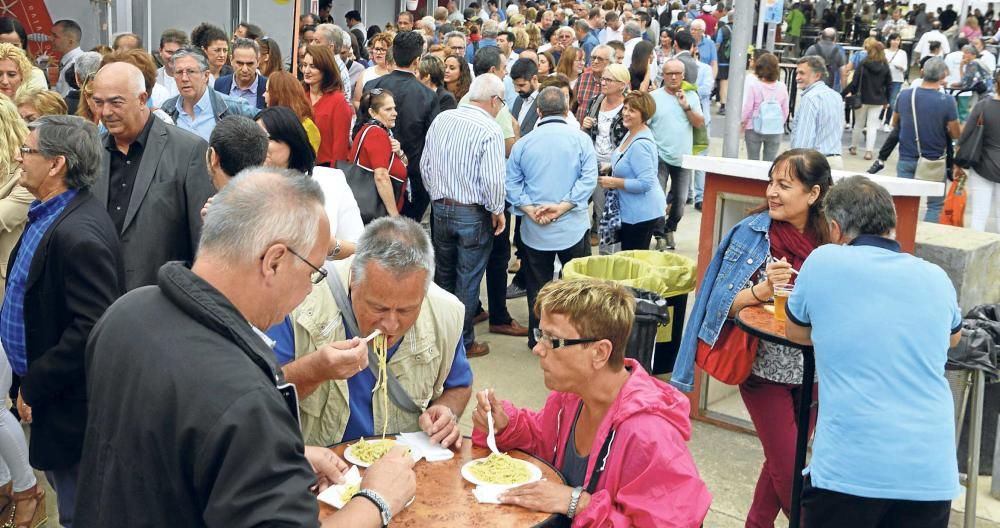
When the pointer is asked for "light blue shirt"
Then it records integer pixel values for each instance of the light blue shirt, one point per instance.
(642, 198)
(819, 120)
(204, 118)
(706, 82)
(706, 51)
(555, 163)
(249, 95)
(881, 321)
(670, 126)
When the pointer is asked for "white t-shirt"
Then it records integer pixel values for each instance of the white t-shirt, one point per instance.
(341, 208)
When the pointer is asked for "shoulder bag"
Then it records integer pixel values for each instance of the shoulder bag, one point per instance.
(927, 169)
(361, 180)
(970, 149)
(853, 101)
(731, 358)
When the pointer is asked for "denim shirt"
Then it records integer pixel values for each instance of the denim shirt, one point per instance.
(740, 255)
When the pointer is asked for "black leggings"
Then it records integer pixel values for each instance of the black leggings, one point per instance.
(637, 236)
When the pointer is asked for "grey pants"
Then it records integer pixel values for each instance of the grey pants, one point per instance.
(770, 142)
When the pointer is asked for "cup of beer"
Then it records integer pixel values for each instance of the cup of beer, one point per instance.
(781, 294)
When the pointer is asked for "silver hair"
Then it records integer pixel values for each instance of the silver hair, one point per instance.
(971, 50)
(260, 207)
(76, 140)
(611, 51)
(396, 243)
(551, 102)
(486, 87)
(815, 63)
(634, 29)
(490, 29)
(934, 70)
(88, 64)
(699, 23)
(860, 207)
(194, 53)
(332, 34)
(566, 29)
(828, 34)
(453, 34)
(245, 43)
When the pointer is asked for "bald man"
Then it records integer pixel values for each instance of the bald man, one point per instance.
(158, 222)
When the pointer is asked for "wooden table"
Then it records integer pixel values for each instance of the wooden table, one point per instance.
(757, 321)
(444, 498)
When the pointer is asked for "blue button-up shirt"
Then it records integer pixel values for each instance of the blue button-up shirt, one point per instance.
(819, 120)
(204, 118)
(249, 95)
(40, 217)
(554, 163)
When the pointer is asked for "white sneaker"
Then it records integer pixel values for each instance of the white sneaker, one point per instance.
(887, 128)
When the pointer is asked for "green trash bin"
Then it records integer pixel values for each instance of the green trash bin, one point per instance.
(669, 275)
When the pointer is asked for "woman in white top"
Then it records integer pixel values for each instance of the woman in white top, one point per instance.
(603, 123)
(899, 63)
(379, 50)
(289, 148)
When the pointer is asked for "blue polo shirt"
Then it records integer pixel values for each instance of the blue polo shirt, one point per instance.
(881, 321)
(706, 51)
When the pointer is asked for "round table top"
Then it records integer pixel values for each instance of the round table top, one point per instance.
(760, 322)
(444, 498)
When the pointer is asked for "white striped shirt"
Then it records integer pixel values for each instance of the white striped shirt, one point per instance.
(819, 120)
(463, 158)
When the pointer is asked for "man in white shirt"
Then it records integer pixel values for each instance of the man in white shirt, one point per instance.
(66, 35)
(170, 41)
(953, 61)
(612, 28)
(632, 35)
(986, 57)
(923, 45)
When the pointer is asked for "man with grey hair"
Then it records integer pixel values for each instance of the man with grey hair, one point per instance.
(588, 85)
(63, 273)
(831, 53)
(198, 107)
(245, 82)
(819, 116)
(332, 36)
(632, 35)
(156, 223)
(84, 70)
(463, 170)
(935, 113)
(586, 38)
(551, 175)
(386, 286)
(206, 364)
(883, 341)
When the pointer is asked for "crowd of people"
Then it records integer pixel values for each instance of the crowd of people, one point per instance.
(195, 243)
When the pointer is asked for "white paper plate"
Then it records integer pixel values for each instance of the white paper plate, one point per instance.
(534, 471)
(349, 455)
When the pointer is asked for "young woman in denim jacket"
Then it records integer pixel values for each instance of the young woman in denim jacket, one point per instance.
(756, 255)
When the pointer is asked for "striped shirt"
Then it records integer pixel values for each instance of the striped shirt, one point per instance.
(819, 120)
(463, 158)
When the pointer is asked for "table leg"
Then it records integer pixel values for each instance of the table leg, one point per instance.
(802, 442)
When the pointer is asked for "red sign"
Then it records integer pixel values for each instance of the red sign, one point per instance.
(34, 16)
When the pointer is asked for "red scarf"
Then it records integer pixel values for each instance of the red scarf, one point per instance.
(788, 242)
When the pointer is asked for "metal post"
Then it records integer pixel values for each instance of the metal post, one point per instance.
(975, 438)
(772, 35)
(737, 71)
(759, 43)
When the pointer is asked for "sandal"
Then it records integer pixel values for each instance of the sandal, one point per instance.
(853, 151)
(29, 508)
(868, 155)
(7, 504)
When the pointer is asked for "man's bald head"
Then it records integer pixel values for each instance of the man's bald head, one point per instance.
(120, 100)
(124, 74)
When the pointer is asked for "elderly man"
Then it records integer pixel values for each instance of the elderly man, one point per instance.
(245, 82)
(937, 117)
(632, 35)
(66, 36)
(333, 37)
(819, 116)
(463, 169)
(832, 54)
(170, 41)
(156, 223)
(551, 175)
(198, 107)
(417, 107)
(678, 113)
(588, 85)
(236, 143)
(489, 33)
(587, 40)
(385, 286)
(883, 384)
(225, 422)
(454, 15)
(707, 52)
(63, 274)
(127, 41)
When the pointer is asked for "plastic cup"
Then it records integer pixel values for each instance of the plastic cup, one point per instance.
(781, 294)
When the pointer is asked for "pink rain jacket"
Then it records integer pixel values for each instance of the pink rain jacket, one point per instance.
(650, 479)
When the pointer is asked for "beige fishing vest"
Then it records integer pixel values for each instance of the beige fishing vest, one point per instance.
(421, 364)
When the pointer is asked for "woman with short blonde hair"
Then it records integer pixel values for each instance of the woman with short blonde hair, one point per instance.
(32, 104)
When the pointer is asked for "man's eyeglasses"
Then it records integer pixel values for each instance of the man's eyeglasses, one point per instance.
(318, 275)
(186, 73)
(499, 98)
(555, 342)
(28, 150)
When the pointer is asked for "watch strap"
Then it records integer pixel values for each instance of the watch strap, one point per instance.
(574, 501)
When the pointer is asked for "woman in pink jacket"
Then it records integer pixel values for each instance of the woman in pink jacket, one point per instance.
(616, 433)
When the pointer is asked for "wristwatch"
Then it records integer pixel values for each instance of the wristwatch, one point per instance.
(574, 500)
(334, 252)
(383, 507)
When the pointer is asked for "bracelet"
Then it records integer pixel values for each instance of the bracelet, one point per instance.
(385, 513)
(574, 500)
(755, 295)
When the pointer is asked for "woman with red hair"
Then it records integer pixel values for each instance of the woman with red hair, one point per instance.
(283, 89)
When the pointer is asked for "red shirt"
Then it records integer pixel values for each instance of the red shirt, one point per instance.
(710, 23)
(376, 153)
(332, 115)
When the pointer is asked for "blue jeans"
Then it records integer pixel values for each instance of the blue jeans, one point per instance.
(462, 239)
(64, 482)
(906, 168)
(893, 92)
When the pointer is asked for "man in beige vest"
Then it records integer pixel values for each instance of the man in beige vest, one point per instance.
(388, 286)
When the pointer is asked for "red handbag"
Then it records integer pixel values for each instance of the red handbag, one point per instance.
(731, 359)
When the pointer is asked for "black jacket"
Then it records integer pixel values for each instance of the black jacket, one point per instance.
(186, 427)
(75, 274)
(446, 100)
(224, 85)
(875, 82)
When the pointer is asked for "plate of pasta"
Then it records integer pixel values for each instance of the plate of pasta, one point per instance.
(500, 470)
(365, 452)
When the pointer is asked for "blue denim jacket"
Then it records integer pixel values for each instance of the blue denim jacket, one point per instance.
(740, 254)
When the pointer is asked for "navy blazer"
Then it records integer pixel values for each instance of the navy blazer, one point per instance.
(225, 85)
